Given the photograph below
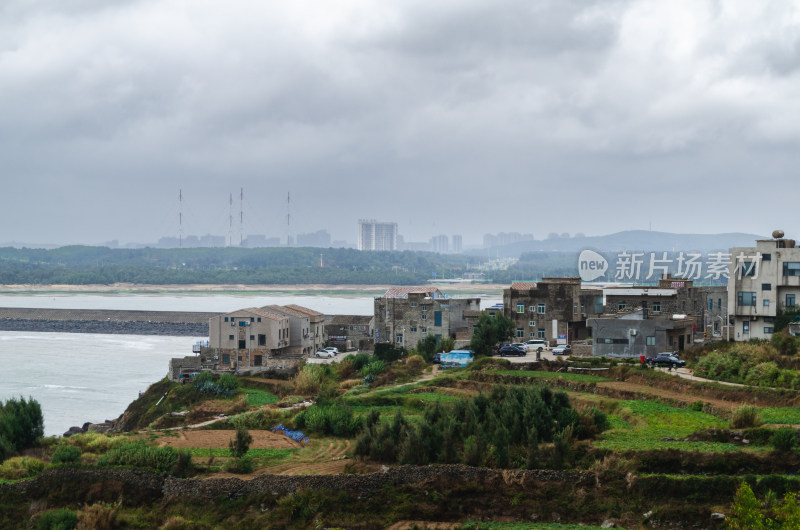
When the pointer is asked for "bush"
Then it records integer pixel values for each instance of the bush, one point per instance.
(336, 420)
(374, 368)
(784, 439)
(65, 454)
(415, 364)
(243, 465)
(21, 424)
(21, 467)
(241, 443)
(139, 453)
(100, 516)
(308, 381)
(388, 353)
(744, 417)
(57, 520)
(228, 383)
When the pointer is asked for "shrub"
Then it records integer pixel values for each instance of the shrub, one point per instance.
(62, 519)
(374, 368)
(139, 453)
(21, 467)
(243, 465)
(336, 420)
(388, 353)
(183, 465)
(744, 417)
(415, 363)
(100, 516)
(784, 439)
(21, 423)
(308, 381)
(65, 454)
(241, 443)
(229, 383)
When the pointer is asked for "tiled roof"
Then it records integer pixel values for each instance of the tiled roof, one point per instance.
(307, 311)
(403, 292)
(523, 286)
(286, 310)
(258, 311)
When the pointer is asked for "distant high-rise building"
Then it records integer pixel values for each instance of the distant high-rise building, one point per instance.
(320, 238)
(456, 244)
(440, 244)
(373, 235)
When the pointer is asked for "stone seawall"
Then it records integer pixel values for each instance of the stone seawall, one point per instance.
(173, 323)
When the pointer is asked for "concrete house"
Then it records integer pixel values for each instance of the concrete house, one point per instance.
(762, 281)
(246, 336)
(300, 340)
(637, 333)
(554, 309)
(317, 322)
(406, 315)
(350, 331)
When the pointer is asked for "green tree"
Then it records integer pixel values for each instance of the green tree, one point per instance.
(490, 331)
(747, 511)
(241, 444)
(21, 424)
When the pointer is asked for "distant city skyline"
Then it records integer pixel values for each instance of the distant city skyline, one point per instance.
(449, 118)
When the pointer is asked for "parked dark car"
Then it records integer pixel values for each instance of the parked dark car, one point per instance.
(437, 358)
(666, 359)
(510, 349)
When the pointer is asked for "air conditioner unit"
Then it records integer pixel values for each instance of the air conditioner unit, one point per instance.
(233, 324)
(632, 332)
(754, 318)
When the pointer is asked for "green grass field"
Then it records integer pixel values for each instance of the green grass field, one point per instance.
(258, 398)
(567, 376)
(780, 415)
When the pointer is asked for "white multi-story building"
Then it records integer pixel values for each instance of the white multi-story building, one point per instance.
(373, 235)
(762, 281)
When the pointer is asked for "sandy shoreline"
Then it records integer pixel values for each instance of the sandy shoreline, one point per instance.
(129, 288)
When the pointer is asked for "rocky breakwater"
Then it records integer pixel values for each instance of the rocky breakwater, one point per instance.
(170, 323)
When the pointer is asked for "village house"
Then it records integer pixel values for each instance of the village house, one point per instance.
(246, 336)
(317, 322)
(406, 315)
(348, 332)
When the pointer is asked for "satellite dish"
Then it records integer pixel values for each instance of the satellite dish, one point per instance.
(777, 234)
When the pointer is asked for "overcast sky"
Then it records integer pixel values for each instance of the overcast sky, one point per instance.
(454, 117)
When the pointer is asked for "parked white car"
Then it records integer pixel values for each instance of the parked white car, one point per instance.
(535, 344)
(324, 354)
(333, 350)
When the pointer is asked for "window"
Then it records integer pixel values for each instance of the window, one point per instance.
(766, 303)
(657, 307)
(746, 327)
(532, 309)
(413, 329)
(746, 298)
(533, 334)
(424, 316)
(650, 341)
(423, 330)
(574, 309)
(423, 307)
(252, 337)
(710, 304)
(766, 286)
(790, 300)
(540, 333)
(252, 319)
(532, 324)
(520, 333)
(541, 309)
(612, 341)
(719, 303)
(791, 268)
(766, 257)
(399, 338)
(748, 268)
(437, 318)
(262, 340)
(226, 319)
(621, 306)
(259, 319)
(583, 309)
(413, 304)
(767, 329)
(520, 308)
(769, 320)
(230, 337)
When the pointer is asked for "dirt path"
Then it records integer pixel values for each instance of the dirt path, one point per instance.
(685, 373)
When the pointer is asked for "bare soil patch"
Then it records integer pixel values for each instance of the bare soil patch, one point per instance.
(220, 439)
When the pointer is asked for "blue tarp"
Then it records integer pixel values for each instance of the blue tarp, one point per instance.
(297, 436)
(457, 358)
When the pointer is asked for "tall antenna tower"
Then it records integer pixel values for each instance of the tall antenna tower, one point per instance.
(180, 218)
(289, 241)
(230, 221)
(241, 217)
